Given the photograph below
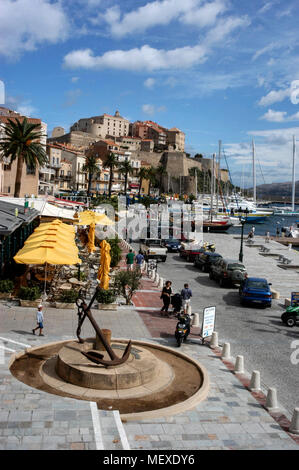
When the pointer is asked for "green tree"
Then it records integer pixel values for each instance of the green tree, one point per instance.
(91, 167)
(126, 169)
(142, 175)
(126, 283)
(111, 163)
(22, 143)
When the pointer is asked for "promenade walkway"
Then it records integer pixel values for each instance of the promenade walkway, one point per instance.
(230, 418)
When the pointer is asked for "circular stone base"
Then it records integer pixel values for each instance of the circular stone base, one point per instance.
(73, 367)
(180, 383)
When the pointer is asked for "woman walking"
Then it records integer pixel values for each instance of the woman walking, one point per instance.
(166, 297)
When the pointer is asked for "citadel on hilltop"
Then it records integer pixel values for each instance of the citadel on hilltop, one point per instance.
(144, 144)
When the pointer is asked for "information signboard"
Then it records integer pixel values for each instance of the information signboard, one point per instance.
(208, 323)
(295, 298)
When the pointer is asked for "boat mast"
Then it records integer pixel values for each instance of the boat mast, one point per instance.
(218, 175)
(254, 172)
(293, 173)
(212, 185)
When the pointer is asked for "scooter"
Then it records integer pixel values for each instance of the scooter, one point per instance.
(209, 247)
(291, 316)
(182, 328)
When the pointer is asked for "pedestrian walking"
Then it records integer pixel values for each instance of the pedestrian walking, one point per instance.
(186, 294)
(277, 232)
(130, 260)
(39, 320)
(139, 259)
(166, 297)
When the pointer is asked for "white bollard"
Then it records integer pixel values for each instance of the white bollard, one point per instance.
(294, 428)
(189, 310)
(226, 351)
(214, 340)
(290, 246)
(157, 277)
(161, 283)
(271, 401)
(239, 365)
(195, 319)
(255, 381)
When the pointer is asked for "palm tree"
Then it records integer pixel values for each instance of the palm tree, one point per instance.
(151, 176)
(111, 163)
(91, 167)
(142, 175)
(126, 169)
(22, 142)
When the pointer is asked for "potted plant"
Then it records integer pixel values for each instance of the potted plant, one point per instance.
(30, 296)
(6, 288)
(126, 283)
(106, 299)
(67, 299)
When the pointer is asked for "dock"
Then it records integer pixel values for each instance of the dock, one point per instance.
(284, 277)
(286, 240)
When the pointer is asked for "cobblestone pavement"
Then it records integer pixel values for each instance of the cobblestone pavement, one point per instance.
(230, 418)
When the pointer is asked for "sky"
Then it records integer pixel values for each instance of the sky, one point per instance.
(217, 69)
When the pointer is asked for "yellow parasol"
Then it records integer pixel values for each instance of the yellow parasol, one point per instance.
(49, 253)
(88, 217)
(91, 236)
(103, 272)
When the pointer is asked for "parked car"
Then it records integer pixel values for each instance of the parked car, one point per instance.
(153, 249)
(204, 260)
(172, 244)
(189, 252)
(291, 316)
(255, 290)
(228, 271)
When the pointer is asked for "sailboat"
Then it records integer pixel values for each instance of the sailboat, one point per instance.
(290, 211)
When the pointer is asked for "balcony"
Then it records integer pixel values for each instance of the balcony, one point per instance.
(46, 170)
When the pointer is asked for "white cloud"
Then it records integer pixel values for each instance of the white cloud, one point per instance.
(275, 96)
(148, 109)
(224, 27)
(152, 14)
(151, 109)
(26, 109)
(264, 50)
(279, 116)
(266, 7)
(147, 58)
(206, 15)
(74, 79)
(144, 58)
(25, 24)
(149, 82)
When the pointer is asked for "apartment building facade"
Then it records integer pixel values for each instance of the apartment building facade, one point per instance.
(30, 177)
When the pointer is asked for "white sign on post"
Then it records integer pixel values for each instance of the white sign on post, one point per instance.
(208, 323)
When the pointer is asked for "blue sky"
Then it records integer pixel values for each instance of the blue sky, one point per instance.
(217, 69)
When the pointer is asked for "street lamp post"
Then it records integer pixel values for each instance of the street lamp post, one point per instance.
(242, 222)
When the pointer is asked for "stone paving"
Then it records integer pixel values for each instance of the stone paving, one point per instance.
(230, 418)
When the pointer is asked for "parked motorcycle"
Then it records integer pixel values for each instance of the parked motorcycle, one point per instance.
(209, 247)
(182, 328)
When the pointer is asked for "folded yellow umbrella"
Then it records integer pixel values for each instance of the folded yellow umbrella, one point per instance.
(91, 235)
(47, 253)
(103, 272)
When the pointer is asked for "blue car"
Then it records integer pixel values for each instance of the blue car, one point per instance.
(255, 290)
(172, 244)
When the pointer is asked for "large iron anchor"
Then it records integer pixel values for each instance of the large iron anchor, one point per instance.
(95, 356)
